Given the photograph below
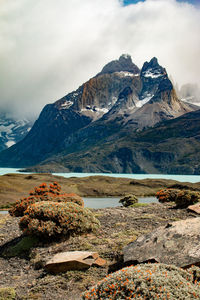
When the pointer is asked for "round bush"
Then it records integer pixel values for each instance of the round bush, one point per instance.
(44, 193)
(57, 218)
(146, 281)
(185, 198)
(167, 195)
(128, 200)
(70, 198)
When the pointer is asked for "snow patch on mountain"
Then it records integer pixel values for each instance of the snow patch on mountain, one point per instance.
(9, 143)
(66, 104)
(103, 110)
(114, 100)
(12, 130)
(143, 101)
(152, 74)
(95, 109)
(127, 74)
(6, 129)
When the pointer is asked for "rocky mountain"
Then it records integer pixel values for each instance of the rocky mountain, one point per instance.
(171, 147)
(163, 105)
(119, 99)
(12, 130)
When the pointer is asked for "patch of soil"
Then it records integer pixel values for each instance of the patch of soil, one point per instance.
(119, 226)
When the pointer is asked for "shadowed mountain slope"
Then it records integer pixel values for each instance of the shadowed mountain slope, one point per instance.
(171, 147)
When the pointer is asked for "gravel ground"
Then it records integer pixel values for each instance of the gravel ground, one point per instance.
(119, 226)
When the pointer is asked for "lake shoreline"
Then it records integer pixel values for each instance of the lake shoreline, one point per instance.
(108, 202)
(16, 186)
(177, 177)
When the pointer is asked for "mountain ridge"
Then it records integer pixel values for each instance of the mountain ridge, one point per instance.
(157, 150)
(118, 99)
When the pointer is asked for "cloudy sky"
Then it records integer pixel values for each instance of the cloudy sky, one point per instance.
(49, 48)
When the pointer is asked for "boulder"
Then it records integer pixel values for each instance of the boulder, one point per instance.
(74, 260)
(177, 243)
(195, 208)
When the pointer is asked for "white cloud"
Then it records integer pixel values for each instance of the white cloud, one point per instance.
(48, 48)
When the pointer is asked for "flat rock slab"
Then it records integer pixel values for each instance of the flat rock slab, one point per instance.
(74, 260)
(195, 208)
(177, 243)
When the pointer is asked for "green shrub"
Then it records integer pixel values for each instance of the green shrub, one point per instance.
(7, 293)
(186, 198)
(167, 195)
(128, 200)
(44, 193)
(57, 218)
(146, 281)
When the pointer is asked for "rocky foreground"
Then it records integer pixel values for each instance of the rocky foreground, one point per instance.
(22, 259)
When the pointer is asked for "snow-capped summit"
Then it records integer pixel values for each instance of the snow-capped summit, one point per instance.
(98, 95)
(118, 99)
(151, 75)
(12, 130)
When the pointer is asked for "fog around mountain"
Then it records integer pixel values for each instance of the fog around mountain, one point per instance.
(49, 48)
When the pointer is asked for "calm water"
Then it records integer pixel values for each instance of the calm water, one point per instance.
(113, 202)
(3, 212)
(182, 178)
(106, 202)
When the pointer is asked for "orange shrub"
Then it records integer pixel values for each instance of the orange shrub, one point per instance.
(44, 193)
(167, 195)
(182, 198)
(146, 281)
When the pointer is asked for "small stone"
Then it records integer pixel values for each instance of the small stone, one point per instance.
(74, 260)
(99, 262)
(195, 208)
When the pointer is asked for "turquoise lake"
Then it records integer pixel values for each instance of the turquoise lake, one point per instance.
(106, 202)
(113, 202)
(182, 178)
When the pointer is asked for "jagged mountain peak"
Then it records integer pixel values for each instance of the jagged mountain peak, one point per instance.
(118, 99)
(152, 74)
(98, 95)
(154, 66)
(125, 58)
(123, 64)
